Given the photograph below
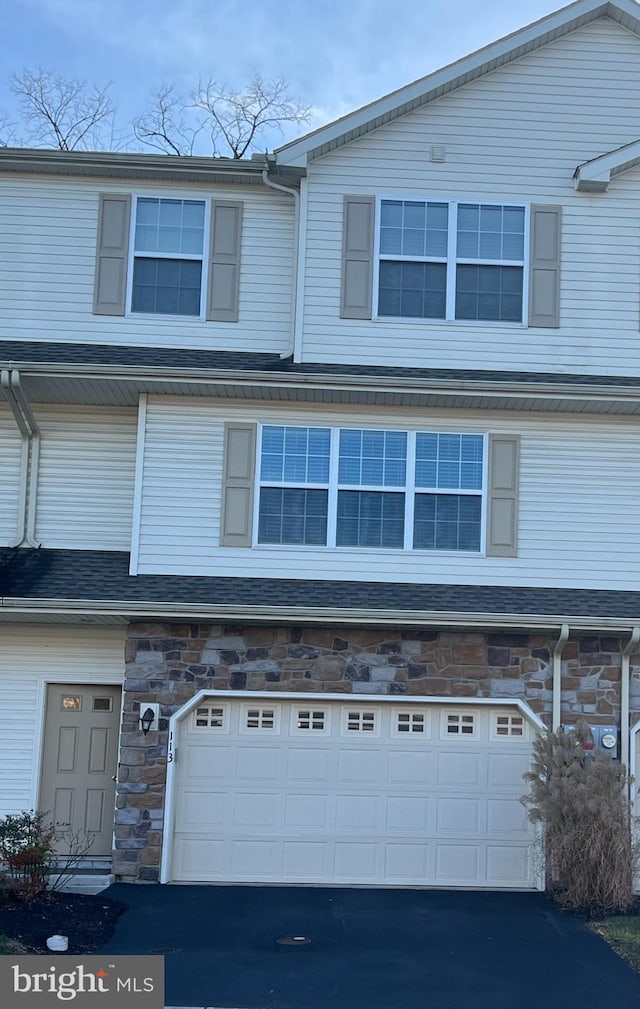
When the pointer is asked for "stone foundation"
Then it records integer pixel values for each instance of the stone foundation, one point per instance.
(169, 663)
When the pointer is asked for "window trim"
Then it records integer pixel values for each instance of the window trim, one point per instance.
(409, 490)
(190, 257)
(451, 260)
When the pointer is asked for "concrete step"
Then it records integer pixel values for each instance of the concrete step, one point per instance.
(86, 882)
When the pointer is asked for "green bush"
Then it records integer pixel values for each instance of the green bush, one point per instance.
(27, 850)
(581, 801)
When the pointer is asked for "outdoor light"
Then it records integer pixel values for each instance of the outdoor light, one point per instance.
(147, 718)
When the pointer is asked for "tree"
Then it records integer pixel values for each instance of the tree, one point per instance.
(71, 115)
(165, 125)
(62, 112)
(235, 121)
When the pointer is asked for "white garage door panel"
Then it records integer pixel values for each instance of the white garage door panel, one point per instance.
(352, 792)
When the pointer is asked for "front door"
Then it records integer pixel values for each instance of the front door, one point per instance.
(80, 760)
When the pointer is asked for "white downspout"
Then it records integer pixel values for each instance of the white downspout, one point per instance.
(24, 459)
(294, 271)
(627, 652)
(30, 434)
(557, 676)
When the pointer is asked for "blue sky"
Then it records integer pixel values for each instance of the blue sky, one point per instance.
(335, 54)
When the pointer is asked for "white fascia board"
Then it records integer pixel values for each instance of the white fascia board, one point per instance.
(594, 176)
(476, 64)
(16, 606)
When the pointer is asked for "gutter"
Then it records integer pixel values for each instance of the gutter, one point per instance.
(309, 614)
(627, 652)
(117, 165)
(30, 458)
(216, 376)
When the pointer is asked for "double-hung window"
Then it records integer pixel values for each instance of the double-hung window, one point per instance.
(168, 256)
(451, 260)
(360, 488)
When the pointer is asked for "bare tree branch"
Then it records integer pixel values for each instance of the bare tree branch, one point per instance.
(165, 126)
(238, 118)
(7, 131)
(63, 113)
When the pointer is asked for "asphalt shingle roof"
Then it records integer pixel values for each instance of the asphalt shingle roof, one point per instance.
(104, 576)
(12, 351)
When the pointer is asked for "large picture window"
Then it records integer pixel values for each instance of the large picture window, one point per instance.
(449, 260)
(361, 488)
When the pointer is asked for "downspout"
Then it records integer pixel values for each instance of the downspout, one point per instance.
(294, 278)
(557, 676)
(627, 652)
(24, 459)
(30, 462)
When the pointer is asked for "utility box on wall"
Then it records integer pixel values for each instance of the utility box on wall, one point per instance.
(604, 739)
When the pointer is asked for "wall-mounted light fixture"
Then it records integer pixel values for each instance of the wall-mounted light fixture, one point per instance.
(149, 714)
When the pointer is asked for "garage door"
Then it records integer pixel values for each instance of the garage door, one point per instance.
(352, 793)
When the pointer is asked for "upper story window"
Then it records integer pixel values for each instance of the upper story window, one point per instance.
(371, 488)
(168, 256)
(450, 260)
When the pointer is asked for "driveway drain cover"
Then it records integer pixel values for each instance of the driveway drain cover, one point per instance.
(293, 940)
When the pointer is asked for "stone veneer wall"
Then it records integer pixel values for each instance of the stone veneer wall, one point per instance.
(169, 663)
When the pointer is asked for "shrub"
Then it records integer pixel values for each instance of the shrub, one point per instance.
(582, 803)
(27, 849)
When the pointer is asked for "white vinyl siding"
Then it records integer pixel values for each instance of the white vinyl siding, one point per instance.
(579, 488)
(48, 234)
(10, 459)
(31, 656)
(516, 135)
(86, 480)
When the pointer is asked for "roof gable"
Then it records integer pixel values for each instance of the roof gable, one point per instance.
(498, 54)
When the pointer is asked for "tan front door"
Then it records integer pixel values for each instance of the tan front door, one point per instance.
(80, 760)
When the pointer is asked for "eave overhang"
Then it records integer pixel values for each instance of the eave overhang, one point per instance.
(149, 167)
(118, 385)
(119, 611)
(455, 75)
(594, 176)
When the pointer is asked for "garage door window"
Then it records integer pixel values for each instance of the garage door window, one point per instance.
(310, 720)
(410, 723)
(211, 716)
(361, 721)
(260, 719)
(508, 726)
(459, 724)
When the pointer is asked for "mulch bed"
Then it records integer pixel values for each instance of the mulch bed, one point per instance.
(88, 920)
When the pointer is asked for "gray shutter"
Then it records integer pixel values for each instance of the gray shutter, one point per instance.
(502, 519)
(110, 287)
(357, 257)
(224, 265)
(544, 267)
(237, 491)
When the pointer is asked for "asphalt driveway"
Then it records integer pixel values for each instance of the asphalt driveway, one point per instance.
(369, 949)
